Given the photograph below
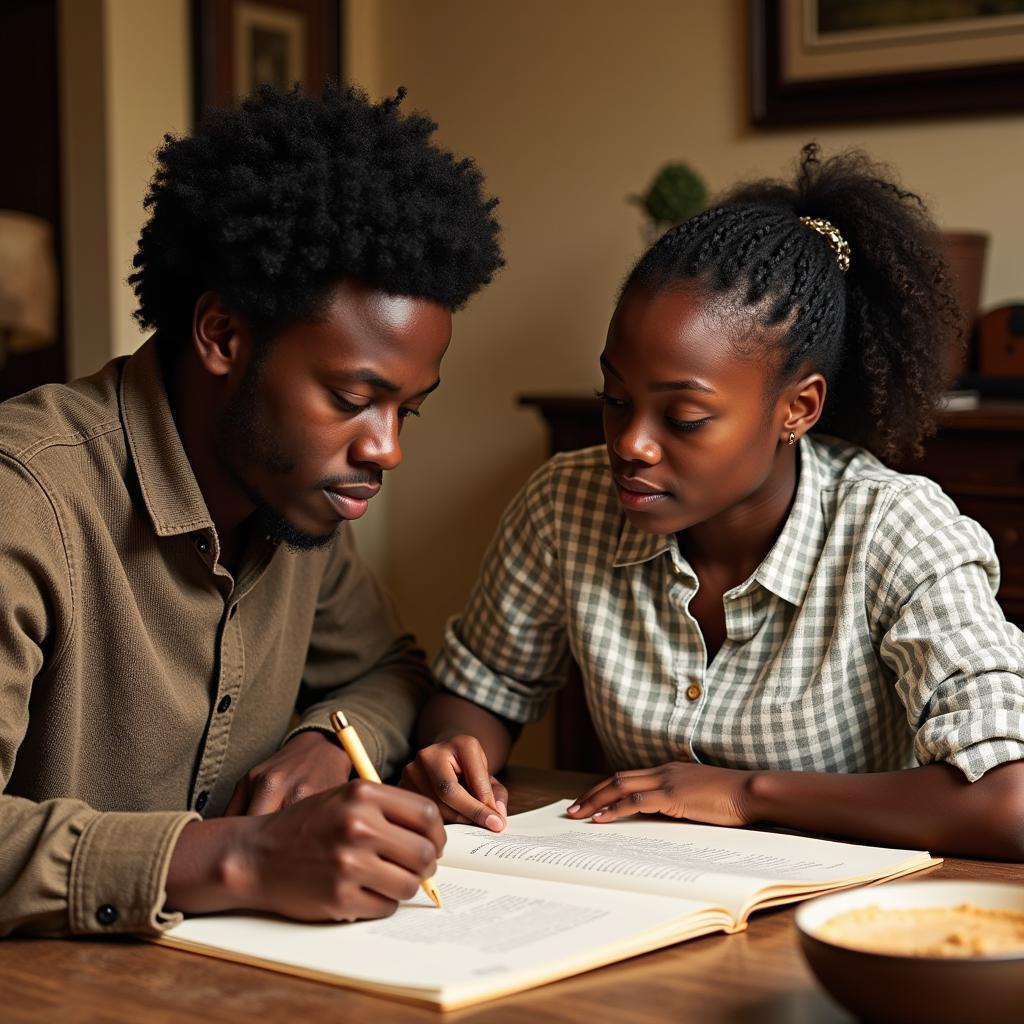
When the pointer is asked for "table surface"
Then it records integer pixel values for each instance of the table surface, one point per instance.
(755, 976)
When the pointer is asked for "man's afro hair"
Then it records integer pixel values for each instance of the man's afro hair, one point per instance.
(271, 204)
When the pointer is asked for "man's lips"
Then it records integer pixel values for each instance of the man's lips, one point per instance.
(638, 494)
(361, 491)
(350, 501)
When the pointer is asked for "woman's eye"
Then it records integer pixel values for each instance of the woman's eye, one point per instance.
(405, 413)
(687, 424)
(345, 405)
(612, 403)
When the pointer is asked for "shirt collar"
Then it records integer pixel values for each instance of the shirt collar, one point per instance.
(637, 546)
(788, 566)
(787, 569)
(169, 487)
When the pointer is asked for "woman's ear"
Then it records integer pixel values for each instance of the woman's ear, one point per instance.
(216, 335)
(806, 403)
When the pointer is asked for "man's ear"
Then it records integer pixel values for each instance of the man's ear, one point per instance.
(806, 402)
(218, 335)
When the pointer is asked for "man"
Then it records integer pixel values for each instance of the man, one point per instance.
(173, 580)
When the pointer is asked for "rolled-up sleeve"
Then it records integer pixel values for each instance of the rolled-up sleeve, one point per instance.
(959, 664)
(508, 652)
(360, 660)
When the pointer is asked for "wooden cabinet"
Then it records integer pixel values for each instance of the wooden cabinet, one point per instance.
(977, 457)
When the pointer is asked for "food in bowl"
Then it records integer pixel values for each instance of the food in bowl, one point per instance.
(964, 930)
(916, 986)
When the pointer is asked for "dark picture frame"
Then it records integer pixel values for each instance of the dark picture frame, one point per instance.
(237, 44)
(778, 98)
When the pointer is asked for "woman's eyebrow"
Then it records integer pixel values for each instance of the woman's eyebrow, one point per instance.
(686, 384)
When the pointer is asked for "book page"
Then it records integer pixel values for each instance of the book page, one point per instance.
(493, 933)
(727, 866)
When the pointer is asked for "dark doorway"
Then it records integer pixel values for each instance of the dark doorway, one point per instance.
(31, 166)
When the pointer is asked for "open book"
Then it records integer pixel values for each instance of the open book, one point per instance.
(547, 898)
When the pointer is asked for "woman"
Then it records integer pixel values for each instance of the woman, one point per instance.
(771, 627)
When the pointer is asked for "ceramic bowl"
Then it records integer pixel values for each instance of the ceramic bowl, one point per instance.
(894, 989)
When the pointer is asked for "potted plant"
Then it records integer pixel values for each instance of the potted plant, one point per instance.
(676, 193)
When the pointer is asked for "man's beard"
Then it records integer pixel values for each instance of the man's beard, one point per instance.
(275, 527)
(242, 439)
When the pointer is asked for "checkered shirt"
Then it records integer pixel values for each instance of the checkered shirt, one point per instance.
(868, 639)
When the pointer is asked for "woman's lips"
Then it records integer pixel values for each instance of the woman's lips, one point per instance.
(637, 494)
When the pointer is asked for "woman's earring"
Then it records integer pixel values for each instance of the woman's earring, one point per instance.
(791, 440)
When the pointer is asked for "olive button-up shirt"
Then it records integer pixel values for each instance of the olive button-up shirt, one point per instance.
(139, 679)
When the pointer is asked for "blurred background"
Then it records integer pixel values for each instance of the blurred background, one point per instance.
(570, 108)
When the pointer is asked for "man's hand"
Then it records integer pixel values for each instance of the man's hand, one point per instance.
(352, 852)
(310, 762)
(697, 792)
(454, 773)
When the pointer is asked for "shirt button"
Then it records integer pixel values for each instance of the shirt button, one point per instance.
(202, 545)
(693, 691)
(201, 801)
(106, 914)
(225, 703)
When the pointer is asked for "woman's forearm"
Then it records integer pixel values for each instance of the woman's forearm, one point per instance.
(933, 807)
(446, 715)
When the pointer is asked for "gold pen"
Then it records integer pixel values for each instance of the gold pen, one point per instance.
(364, 769)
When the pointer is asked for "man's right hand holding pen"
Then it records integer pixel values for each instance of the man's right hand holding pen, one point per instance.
(350, 852)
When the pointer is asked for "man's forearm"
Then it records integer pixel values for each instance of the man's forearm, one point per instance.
(447, 715)
(933, 807)
(208, 870)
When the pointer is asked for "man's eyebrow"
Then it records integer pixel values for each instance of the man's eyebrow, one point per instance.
(426, 391)
(687, 384)
(608, 366)
(377, 381)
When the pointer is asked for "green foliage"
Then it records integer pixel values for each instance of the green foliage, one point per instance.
(677, 193)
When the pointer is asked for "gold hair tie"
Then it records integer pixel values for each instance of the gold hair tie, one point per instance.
(839, 246)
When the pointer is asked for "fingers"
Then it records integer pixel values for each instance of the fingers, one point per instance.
(414, 854)
(620, 786)
(352, 902)
(415, 779)
(637, 802)
(400, 807)
(436, 772)
(239, 799)
(271, 792)
(374, 874)
(500, 797)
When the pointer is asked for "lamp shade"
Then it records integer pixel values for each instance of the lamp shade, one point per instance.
(28, 282)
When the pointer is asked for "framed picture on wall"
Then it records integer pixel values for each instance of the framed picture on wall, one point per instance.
(239, 44)
(843, 60)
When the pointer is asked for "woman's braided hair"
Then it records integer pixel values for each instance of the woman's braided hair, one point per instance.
(878, 332)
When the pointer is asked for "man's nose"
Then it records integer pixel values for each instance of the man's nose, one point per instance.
(378, 443)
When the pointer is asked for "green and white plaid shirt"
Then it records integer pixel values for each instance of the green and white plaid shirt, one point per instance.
(868, 639)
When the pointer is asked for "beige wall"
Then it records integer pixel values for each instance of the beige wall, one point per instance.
(126, 81)
(569, 107)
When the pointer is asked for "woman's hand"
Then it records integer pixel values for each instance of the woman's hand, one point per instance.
(455, 775)
(697, 792)
(310, 762)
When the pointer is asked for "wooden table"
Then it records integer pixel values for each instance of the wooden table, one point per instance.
(756, 976)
